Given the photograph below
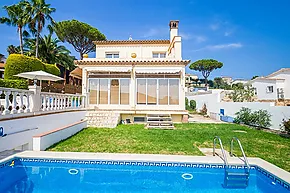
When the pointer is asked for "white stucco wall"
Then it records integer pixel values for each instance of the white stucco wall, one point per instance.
(261, 86)
(142, 51)
(285, 75)
(40, 143)
(230, 108)
(43, 123)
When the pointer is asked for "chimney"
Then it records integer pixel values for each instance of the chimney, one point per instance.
(173, 24)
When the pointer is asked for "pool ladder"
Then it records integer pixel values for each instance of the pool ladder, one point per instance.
(233, 179)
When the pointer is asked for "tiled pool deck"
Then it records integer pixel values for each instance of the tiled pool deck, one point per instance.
(206, 160)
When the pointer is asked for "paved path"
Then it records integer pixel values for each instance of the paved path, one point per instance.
(195, 118)
(8, 153)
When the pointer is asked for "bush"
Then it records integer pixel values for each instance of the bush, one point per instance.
(203, 110)
(19, 84)
(187, 107)
(52, 69)
(192, 104)
(260, 118)
(286, 124)
(17, 63)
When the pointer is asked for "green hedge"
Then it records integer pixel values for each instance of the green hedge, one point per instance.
(19, 84)
(52, 69)
(17, 63)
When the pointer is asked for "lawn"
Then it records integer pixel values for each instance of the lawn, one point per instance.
(184, 140)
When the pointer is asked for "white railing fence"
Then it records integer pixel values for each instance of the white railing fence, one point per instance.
(18, 101)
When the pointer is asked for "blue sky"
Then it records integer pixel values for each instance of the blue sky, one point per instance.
(249, 37)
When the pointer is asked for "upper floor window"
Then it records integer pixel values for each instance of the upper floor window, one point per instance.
(270, 89)
(159, 54)
(112, 55)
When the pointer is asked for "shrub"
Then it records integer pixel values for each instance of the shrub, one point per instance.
(192, 104)
(52, 69)
(243, 116)
(286, 124)
(203, 111)
(19, 84)
(17, 63)
(187, 107)
(260, 118)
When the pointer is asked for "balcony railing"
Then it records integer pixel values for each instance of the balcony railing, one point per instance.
(17, 101)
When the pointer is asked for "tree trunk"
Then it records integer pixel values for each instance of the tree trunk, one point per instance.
(20, 39)
(81, 55)
(37, 40)
(205, 81)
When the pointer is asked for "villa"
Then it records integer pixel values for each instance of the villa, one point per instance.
(274, 87)
(137, 77)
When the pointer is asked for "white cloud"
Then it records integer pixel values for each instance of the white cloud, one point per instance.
(155, 32)
(215, 26)
(220, 47)
(196, 38)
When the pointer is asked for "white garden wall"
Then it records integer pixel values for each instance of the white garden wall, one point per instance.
(230, 108)
(47, 139)
(20, 131)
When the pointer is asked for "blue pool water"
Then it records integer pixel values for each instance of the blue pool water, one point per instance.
(43, 176)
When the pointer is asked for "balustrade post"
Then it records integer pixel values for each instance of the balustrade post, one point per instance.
(44, 102)
(20, 110)
(78, 105)
(58, 102)
(14, 103)
(64, 102)
(69, 102)
(27, 109)
(6, 111)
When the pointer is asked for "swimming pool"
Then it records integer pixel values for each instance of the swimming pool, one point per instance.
(52, 175)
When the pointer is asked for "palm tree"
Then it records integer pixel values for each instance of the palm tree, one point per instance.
(11, 49)
(17, 17)
(40, 12)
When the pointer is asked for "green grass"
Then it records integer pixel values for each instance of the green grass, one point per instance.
(184, 140)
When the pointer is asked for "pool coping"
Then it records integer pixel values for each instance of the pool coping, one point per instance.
(280, 173)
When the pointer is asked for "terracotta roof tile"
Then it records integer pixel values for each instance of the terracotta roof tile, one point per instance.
(129, 62)
(107, 42)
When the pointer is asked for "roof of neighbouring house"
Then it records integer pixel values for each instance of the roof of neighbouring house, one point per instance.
(110, 42)
(2, 65)
(266, 78)
(279, 71)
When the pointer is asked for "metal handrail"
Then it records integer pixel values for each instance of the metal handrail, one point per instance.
(222, 148)
(242, 150)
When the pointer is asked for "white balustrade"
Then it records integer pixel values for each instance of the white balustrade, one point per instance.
(18, 101)
(11, 106)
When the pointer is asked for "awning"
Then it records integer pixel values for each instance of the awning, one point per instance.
(76, 73)
(110, 69)
(157, 71)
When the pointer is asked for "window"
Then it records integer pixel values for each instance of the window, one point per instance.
(159, 55)
(141, 91)
(93, 90)
(270, 89)
(124, 91)
(114, 91)
(139, 119)
(173, 91)
(151, 91)
(163, 91)
(112, 55)
(103, 97)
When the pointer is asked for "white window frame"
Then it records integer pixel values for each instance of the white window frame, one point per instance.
(114, 55)
(268, 90)
(159, 54)
(157, 90)
(109, 90)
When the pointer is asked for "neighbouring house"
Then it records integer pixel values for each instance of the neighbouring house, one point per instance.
(137, 77)
(274, 87)
(2, 65)
(190, 82)
(237, 81)
(227, 79)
